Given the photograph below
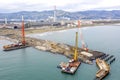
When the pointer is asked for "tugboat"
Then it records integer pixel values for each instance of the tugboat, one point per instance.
(18, 45)
(73, 64)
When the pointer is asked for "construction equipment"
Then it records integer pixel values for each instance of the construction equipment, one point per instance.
(76, 46)
(23, 32)
(18, 45)
(84, 46)
(73, 64)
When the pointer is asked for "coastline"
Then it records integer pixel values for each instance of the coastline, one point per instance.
(5, 31)
(51, 29)
(60, 28)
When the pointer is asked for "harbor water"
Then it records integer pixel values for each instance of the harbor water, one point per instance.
(32, 64)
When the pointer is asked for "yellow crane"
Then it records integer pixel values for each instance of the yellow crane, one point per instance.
(73, 64)
(76, 48)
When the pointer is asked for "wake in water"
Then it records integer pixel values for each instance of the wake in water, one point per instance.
(61, 31)
(39, 35)
(85, 28)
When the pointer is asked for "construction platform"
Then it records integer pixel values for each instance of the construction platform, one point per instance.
(104, 69)
(14, 46)
(70, 67)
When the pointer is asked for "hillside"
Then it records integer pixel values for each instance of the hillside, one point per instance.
(91, 14)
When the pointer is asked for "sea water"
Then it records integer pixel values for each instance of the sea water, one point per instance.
(32, 64)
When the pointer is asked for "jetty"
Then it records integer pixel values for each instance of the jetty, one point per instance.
(104, 69)
(51, 46)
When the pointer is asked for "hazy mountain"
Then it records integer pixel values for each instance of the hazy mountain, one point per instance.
(92, 14)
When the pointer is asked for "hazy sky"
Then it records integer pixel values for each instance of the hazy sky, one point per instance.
(67, 5)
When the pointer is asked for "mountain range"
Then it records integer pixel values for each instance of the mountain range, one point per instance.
(90, 14)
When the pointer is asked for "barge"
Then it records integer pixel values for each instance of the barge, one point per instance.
(14, 46)
(104, 69)
(70, 67)
(19, 45)
(73, 64)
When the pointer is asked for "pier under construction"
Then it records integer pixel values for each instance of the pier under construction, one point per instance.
(104, 69)
(84, 54)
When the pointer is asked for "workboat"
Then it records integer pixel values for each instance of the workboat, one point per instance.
(14, 46)
(70, 67)
(19, 45)
(73, 64)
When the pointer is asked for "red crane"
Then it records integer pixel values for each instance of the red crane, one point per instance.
(23, 32)
(81, 37)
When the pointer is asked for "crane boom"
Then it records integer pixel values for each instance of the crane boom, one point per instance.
(76, 48)
(23, 32)
(84, 46)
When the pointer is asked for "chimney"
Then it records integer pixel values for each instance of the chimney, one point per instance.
(54, 19)
(5, 20)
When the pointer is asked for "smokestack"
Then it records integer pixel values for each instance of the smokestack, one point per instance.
(54, 14)
(22, 18)
(5, 20)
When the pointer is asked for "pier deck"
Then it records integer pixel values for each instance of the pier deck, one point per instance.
(104, 68)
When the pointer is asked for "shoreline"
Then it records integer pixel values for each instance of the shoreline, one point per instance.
(52, 29)
(5, 31)
(59, 28)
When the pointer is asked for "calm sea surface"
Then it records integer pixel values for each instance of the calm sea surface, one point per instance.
(32, 64)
